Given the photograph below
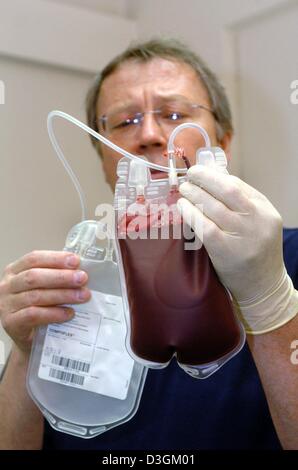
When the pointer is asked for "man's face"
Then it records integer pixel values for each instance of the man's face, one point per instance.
(146, 87)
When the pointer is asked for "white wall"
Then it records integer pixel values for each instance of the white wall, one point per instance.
(268, 121)
(48, 56)
(61, 34)
(114, 7)
(230, 35)
(49, 50)
(198, 22)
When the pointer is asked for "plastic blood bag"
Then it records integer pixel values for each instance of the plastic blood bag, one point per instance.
(172, 299)
(176, 305)
(80, 374)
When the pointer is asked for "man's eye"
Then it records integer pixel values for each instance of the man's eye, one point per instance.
(126, 122)
(174, 115)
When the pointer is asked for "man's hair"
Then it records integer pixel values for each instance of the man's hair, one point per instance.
(170, 49)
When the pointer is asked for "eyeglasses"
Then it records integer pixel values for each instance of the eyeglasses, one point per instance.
(168, 116)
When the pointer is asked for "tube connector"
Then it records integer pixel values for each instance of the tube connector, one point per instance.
(173, 178)
(116, 148)
(138, 177)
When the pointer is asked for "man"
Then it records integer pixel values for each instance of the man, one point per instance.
(136, 102)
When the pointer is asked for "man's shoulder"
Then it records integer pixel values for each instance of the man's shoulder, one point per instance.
(290, 249)
(290, 238)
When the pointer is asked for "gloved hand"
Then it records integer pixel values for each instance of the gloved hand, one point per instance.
(242, 233)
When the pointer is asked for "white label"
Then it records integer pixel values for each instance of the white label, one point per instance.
(88, 352)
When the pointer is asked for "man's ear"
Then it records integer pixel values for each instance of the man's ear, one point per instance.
(225, 144)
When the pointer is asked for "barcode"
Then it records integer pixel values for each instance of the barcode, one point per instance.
(67, 376)
(70, 363)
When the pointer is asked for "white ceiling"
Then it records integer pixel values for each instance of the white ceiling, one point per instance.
(124, 8)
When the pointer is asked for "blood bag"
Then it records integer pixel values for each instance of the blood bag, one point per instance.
(175, 304)
(80, 374)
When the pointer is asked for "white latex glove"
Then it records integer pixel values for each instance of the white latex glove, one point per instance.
(242, 233)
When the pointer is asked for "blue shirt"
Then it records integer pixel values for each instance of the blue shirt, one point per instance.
(226, 411)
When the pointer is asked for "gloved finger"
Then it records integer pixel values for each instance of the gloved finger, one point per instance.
(215, 210)
(228, 189)
(205, 229)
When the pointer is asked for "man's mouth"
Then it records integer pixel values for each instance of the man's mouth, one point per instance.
(158, 175)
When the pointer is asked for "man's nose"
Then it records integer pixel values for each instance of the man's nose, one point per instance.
(150, 134)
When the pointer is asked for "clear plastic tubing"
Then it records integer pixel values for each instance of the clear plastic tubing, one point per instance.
(113, 146)
(187, 125)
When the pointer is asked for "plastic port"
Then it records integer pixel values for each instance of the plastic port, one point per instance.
(72, 428)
